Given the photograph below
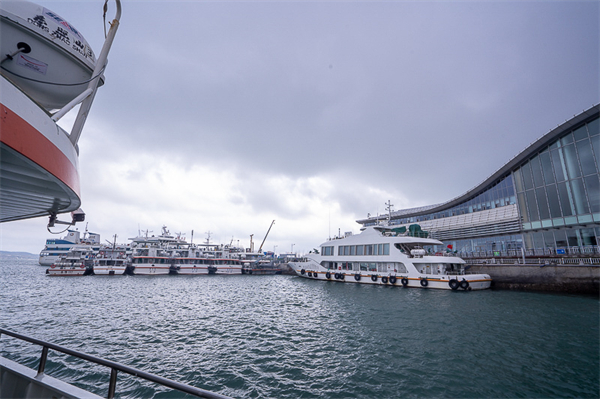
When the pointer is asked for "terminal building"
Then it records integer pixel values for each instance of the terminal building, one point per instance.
(545, 202)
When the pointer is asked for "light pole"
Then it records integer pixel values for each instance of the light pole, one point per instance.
(293, 248)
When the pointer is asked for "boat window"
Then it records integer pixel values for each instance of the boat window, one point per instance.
(359, 249)
(327, 251)
(364, 266)
(352, 249)
(347, 266)
(386, 249)
(368, 249)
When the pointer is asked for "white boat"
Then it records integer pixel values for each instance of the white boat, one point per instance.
(383, 255)
(47, 68)
(205, 259)
(111, 260)
(78, 261)
(55, 248)
(154, 255)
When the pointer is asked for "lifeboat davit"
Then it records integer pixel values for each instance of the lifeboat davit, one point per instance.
(46, 69)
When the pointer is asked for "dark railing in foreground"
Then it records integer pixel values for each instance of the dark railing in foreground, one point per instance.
(114, 366)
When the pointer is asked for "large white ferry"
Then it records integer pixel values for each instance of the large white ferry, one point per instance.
(55, 248)
(207, 258)
(154, 255)
(111, 260)
(389, 256)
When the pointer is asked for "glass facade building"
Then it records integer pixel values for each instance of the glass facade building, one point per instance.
(543, 202)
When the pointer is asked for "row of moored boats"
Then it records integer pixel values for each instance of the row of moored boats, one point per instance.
(150, 255)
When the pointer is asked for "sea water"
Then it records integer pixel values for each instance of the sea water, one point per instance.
(288, 337)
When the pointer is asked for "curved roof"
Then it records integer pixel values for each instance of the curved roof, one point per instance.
(503, 171)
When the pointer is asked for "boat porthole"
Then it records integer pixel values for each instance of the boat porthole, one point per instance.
(302, 272)
(453, 284)
(393, 279)
(328, 275)
(374, 277)
(404, 281)
(424, 282)
(464, 284)
(384, 280)
(357, 277)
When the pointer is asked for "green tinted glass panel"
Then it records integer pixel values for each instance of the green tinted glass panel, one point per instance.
(571, 161)
(532, 205)
(593, 127)
(586, 159)
(592, 185)
(542, 203)
(547, 167)
(580, 134)
(527, 179)
(558, 165)
(579, 198)
(553, 201)
(536, 168)
(565, 199)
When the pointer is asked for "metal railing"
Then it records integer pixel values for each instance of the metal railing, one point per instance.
(114, 366)
(546, 261)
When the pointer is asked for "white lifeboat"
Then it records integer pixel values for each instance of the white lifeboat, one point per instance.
(48, 58)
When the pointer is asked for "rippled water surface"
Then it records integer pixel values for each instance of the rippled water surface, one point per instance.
(287, 337)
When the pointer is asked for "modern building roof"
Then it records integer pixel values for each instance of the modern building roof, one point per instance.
(500, 173)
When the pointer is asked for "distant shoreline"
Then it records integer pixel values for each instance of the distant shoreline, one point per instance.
(17, 255)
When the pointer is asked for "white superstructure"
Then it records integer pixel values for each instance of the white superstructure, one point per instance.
(111, 260)
(385, 256)
(153, 255)
(55, 248)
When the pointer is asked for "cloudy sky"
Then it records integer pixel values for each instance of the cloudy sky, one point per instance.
(223, 116)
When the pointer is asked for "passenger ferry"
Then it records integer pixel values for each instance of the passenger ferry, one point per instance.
(384, 255)
(79, 261)
(55, 248)
(111, 260)
(207, 258)
(154, 255)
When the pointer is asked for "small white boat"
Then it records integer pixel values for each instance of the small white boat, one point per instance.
(383, 255)
(111, 260)
(79, 261)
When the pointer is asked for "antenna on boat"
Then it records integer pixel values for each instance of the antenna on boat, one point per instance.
(389, 207)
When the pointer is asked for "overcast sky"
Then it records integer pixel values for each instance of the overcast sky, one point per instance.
(224, 116)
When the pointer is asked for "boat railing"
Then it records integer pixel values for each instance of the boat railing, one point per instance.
(114, 366)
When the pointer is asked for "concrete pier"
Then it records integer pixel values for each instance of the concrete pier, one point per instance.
(574, 279)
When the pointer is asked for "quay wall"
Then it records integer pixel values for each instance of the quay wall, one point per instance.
(574, 279)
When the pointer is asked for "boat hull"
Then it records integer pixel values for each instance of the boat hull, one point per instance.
(38, 161)
(109, 271)
(464, 282)
(58, 271)
(150, 270)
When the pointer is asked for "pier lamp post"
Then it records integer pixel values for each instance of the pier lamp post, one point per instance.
(293, 248)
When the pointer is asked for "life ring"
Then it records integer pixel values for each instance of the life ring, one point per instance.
(302, 272)
(454, 284)
(373, 277)
(393, 279)
(357, 276)
(309, 274)
(82, 266)
(328, 275)
(464, 284)
(384, 280)
(53, 266)
(424, 282)
(404, 281)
